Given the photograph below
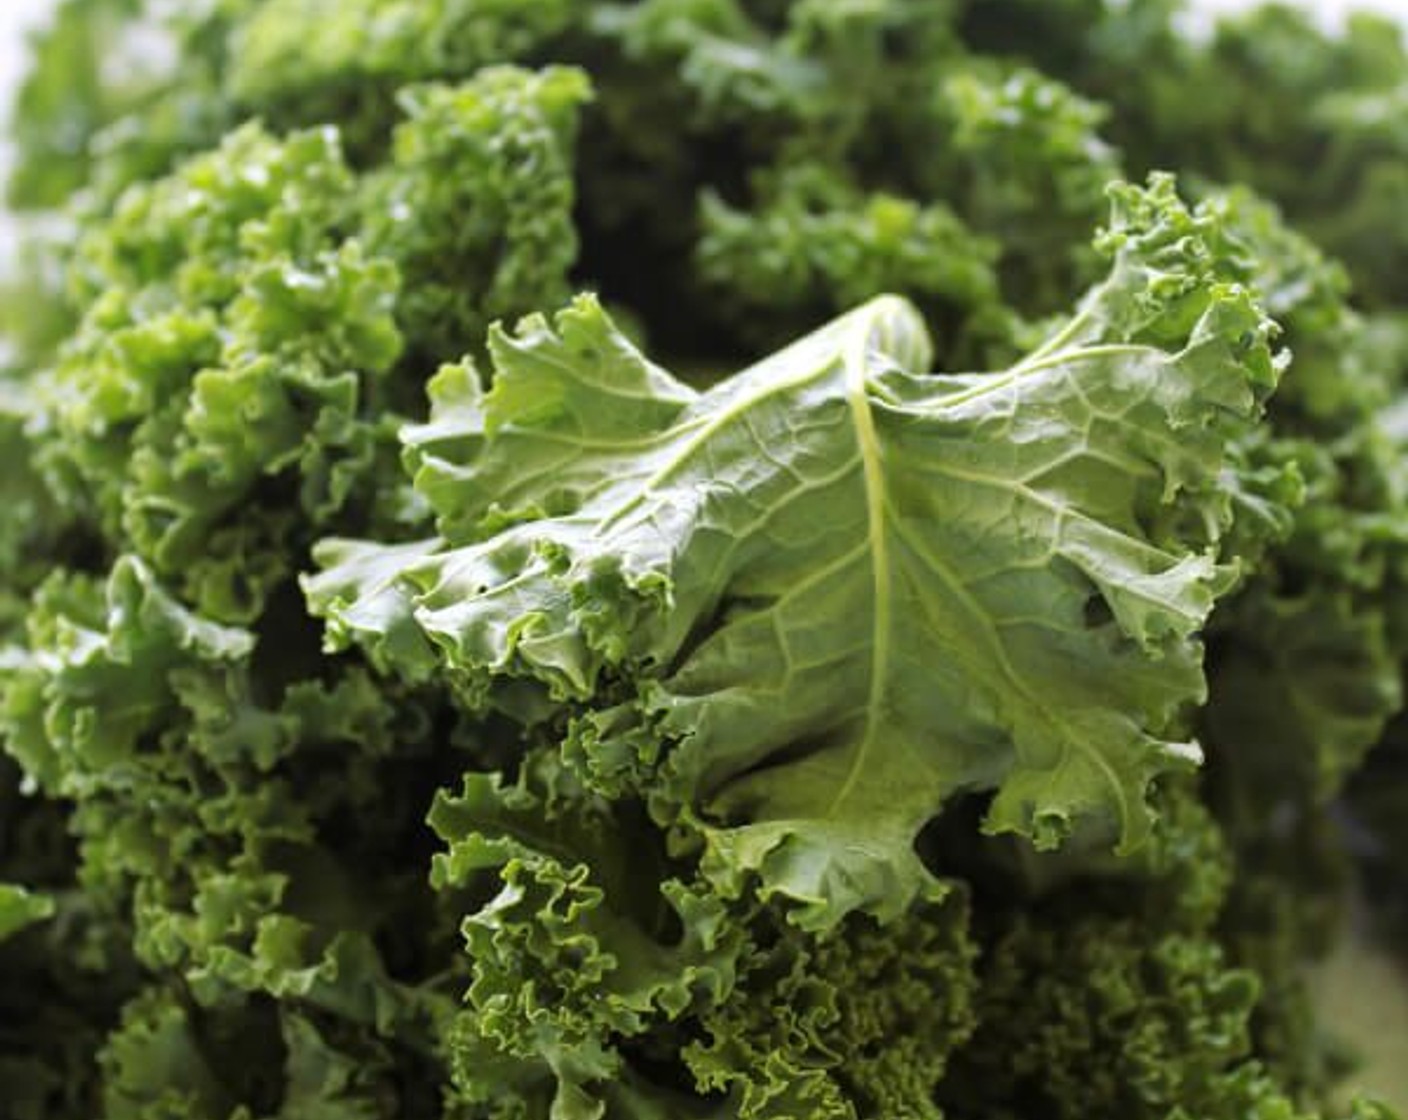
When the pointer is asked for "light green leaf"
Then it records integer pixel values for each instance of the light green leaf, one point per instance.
(19, 908)
(847, 589)
(585, 944)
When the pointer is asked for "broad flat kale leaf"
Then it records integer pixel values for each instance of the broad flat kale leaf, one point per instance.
(808, 606)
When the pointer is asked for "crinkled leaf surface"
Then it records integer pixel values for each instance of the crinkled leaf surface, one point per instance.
(844, 589)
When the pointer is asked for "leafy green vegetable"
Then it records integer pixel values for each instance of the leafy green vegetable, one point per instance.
(426, 695)
(847, 590)
(19, 908)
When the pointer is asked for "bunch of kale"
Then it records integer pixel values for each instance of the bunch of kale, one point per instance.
(417, 702)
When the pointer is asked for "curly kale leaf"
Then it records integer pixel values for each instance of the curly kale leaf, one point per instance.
(606, 976)
(475, 206)
(243, 326)
(199, 805)
(845, 590)
(229, 338)
(862, 1023)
